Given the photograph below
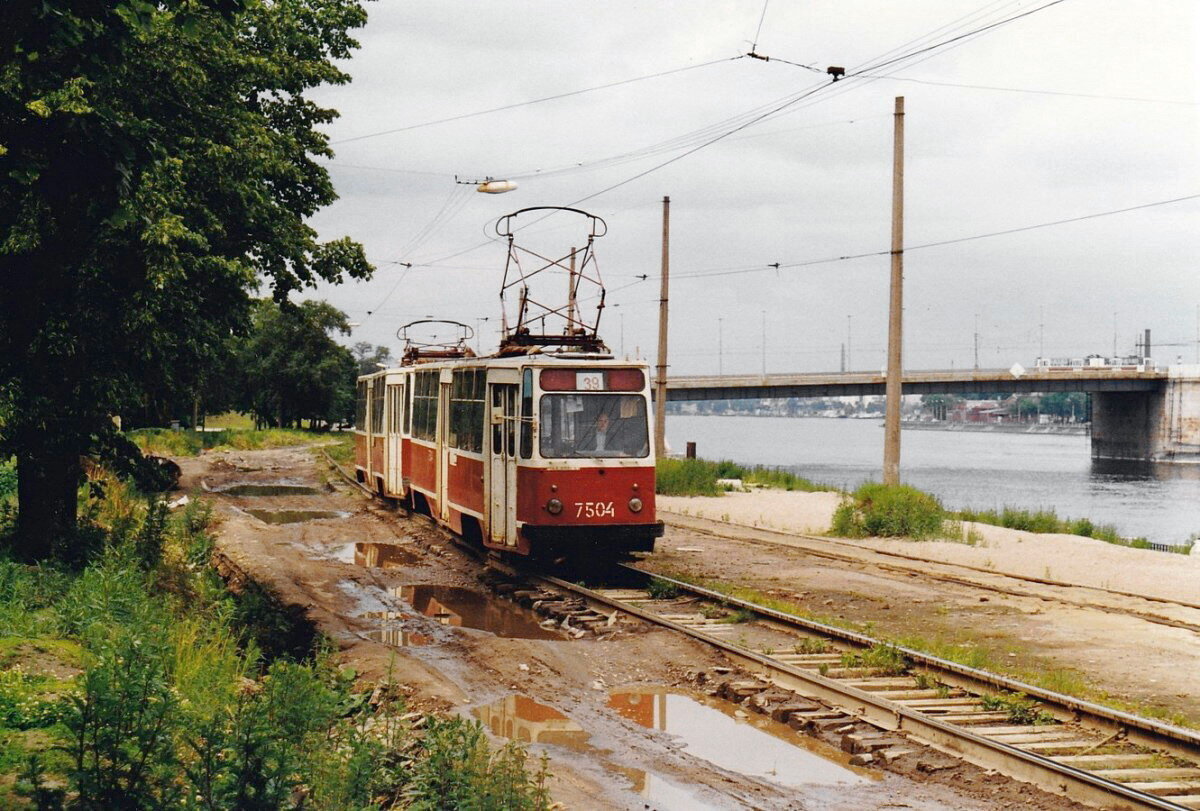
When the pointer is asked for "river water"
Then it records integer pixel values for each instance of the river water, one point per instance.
(964, 469)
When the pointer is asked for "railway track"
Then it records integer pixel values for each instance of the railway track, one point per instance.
(1084, 751)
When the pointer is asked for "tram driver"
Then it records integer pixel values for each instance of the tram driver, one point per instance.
(594, 425)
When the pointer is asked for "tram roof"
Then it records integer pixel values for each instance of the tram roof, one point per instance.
(510, 362)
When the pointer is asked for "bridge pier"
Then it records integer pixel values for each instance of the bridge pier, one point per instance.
(1156, 426)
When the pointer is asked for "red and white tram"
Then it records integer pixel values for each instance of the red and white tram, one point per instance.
(528, 451)
(545, 453)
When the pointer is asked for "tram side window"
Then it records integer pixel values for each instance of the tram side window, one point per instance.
(377, 426)
(527, 414)
(397, 398)
(467, 391)
(360, 406)
(425, 405)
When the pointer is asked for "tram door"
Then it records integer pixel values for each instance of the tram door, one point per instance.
(395, 474)
(443, 447)
(502, 493)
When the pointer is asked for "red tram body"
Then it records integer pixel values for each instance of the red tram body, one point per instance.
(540, 453)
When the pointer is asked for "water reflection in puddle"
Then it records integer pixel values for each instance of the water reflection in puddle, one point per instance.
(522, 719)
(269, 490)
(400, 638)
(519, 718)
(294, 516)
(380, 555)
(757, 746)
(464, 608)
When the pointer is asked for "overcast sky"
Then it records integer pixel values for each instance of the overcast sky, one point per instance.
(1112, 125)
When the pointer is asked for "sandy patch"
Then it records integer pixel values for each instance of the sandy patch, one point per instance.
(1060, 558)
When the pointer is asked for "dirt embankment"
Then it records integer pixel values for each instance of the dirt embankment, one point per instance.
(1079, 613)
(352, 568)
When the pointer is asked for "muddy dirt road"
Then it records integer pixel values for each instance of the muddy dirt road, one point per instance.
(624, 714)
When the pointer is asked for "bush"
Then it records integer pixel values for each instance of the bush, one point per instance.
(890, 511)
(8, 480)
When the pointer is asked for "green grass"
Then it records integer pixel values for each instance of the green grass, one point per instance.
(698, 477)
(8, 479)
(1020, 708)
(890, 511)
(1047, 521)
(880, 660)
(340, 448)
(166, 442)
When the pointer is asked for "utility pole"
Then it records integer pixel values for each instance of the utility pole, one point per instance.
(1042, 333)
(1114, 354)
(660, 387)
(976, 340)
(893, 389)
(720, 348)
(764, 343)
(843, 358)
(571, 296)
(849, 344)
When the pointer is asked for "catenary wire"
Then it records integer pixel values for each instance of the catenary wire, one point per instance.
(542, 100)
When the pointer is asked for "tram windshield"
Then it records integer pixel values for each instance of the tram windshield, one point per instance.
(583, 426)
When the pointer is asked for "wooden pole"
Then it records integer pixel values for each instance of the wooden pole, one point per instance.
(895, 366)
(660, 375)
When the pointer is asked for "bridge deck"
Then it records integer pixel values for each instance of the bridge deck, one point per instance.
(951, 381)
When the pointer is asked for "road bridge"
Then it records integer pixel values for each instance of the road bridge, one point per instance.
(1143, 415)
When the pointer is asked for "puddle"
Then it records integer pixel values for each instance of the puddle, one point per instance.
(464, 608)
(519, 718)
(756, 746)
(294, 516)
(400, 638)
(378, 555)
(269, 490)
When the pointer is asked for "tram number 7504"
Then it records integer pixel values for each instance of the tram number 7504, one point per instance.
(594, 509)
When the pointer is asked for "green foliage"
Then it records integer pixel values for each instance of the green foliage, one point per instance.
(29, 701)
(293, 369)
(660, 589)
(1020, 708)
(880, 510)
(880, 660)
(166, 442)
(1047, 521)
(162, 161)
(458, 770)
(811, 645)
(698, 477)
(740, 615)
(685, 477)
(182, 701)
(8, 480)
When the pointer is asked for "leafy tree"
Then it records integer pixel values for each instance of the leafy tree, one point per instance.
(292, 369)
(156, 164)
(369, 358)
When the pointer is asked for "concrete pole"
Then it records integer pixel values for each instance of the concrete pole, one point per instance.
(571, 295)
(660, 377)
(895, 368)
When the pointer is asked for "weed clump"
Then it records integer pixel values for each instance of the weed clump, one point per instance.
(889, 511)
(880, 660)
(1020, 708)
(660, 589)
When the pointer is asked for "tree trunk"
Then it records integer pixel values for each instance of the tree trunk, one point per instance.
(48, 477)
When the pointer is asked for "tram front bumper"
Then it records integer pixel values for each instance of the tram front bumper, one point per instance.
(628, 537)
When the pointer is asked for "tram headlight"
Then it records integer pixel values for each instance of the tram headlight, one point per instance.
(554, 506)
(635, 504)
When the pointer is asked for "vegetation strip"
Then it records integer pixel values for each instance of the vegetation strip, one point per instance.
(141, 679)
